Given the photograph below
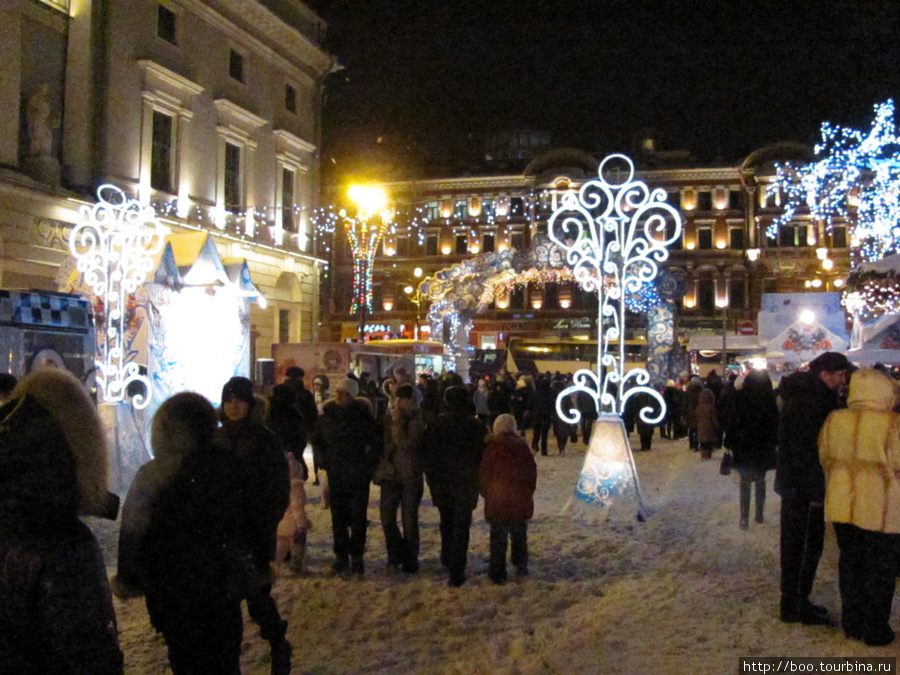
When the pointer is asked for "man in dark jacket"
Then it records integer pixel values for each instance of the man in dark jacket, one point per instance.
(345, 439)
(807, 399)
(267, 488)
(304, 398)
(452, 452)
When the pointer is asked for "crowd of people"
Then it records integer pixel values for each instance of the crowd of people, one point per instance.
(226, 486)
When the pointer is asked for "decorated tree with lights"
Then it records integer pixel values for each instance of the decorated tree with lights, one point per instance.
(855, 181)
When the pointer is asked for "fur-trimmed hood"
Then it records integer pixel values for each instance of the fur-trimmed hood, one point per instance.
(53, 453)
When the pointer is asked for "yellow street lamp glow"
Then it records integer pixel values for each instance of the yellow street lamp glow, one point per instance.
(369, 199)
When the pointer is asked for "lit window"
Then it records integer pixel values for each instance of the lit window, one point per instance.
(736, 295)
(236, 66)
(161, 153)
(462, 244)
(290, 98)
(284, 325)
(166, 24)
(233, 200)
(288, 181)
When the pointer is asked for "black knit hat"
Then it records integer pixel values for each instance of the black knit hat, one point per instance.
(240, 388)
(829, 362)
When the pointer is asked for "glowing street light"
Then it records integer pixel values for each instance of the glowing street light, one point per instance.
(364, 233)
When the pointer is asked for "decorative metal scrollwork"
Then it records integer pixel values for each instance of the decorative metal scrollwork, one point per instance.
(114, 247)
(615, 231)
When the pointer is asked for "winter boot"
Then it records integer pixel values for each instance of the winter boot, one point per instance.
(341, 564)
(281, 657)
(759, 513)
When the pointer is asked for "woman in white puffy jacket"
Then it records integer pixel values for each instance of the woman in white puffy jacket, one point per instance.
(859, 447)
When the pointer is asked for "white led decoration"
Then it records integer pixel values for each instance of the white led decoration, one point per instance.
(614, 233)
(114, 247)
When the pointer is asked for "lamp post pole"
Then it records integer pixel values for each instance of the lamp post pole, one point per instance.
(363, 304)
(415, 297)
(724, 340)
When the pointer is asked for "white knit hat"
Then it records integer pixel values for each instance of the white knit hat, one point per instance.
(349, 385)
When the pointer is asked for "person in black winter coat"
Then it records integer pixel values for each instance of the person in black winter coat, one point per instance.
(542, 411)
(56, 611)
(454, 443)
(186, 506)
(562, 430)
(345, 439)
(305, 399)
(286, 422)
(752, 435)
(267, 486)
(807, 399)
(672, 396)
(499, 398)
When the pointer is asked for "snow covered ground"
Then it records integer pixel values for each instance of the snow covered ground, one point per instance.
(686, 591)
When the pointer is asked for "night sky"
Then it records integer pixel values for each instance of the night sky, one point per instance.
(721, 80)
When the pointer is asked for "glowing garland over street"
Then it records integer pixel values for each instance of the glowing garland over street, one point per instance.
(114, 247)
(857, 181)
(623, 243)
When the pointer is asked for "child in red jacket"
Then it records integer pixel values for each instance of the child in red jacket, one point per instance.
(508, 480)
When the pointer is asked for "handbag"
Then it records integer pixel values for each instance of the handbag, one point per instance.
(727, 463)
(385, 472)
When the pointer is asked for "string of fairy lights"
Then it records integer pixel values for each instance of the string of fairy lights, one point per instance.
(413, 221)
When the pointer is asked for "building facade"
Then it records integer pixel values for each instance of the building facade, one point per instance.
(725, 259)
(208, 111)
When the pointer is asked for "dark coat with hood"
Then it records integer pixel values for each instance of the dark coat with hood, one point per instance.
(454, 443)
(752, 431)
(184, 517)
(806, 403)
(346, 441)
(266, 478)
(508, 479)
(56, 612)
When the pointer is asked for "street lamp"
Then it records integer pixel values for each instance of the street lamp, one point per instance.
(364, 234)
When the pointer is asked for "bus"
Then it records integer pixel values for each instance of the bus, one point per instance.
(376, 357)
(566, 355)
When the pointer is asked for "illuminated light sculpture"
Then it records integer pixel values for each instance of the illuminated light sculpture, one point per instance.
(857, 180)
(114, 247)
(614, 233)
(364, 233)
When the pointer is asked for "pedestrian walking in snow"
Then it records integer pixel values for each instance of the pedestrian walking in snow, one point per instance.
(404, 430)
(183, 534)
(346, 441)
(508, 480)
(452, 452)
(808, 397)
(267, 486)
